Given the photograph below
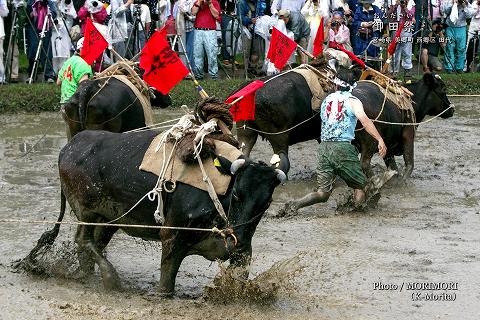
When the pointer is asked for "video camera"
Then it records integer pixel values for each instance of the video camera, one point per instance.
(335, 23)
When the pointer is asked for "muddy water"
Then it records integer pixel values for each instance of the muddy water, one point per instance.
(425, 231)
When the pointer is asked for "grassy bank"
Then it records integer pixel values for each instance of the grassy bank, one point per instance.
(45, 97)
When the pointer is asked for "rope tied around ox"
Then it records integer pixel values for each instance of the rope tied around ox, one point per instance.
(224, 233)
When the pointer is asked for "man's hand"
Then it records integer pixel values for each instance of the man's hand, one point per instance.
(382, 148)
(254, 20)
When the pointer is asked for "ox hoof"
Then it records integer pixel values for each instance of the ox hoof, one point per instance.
(289, 209)
(112, 285)
(164, 293)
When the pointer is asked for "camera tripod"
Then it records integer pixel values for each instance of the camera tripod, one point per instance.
(47, 19)
(134, 44)
(12, 43)
(19, 10)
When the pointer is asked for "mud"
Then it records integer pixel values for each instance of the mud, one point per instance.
(316, 265)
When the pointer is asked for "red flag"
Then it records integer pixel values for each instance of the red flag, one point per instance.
(393, 45)
(244, 109)
(281, 48)
(163, 68)
(93, 43)
(319, 39)
(351, 55)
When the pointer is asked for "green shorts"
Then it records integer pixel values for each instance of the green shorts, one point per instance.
(339, 159)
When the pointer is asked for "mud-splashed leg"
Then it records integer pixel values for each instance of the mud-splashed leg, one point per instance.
(365, 160)
(247, 139)
(408, 151)
(173, 254)
(91, 250)
(85, 258)
(391, 163)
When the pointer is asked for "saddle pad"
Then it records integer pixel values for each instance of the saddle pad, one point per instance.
(402, 101)
(189, 173)
(314, 82)
(147, 108)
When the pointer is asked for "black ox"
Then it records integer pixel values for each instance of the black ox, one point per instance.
(285, 102)
(100, 178)
(111, 106)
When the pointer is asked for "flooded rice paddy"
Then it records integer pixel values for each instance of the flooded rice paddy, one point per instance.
(316, 265)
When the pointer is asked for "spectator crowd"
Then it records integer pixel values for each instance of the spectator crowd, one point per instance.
(433, 29)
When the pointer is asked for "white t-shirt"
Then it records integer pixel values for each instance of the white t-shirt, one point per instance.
(3, 13)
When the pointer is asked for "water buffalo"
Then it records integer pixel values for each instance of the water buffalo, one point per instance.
(112, 107)
(430, 98)
(100, 178)
(286, 101)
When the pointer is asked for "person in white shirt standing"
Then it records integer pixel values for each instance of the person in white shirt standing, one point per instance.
(290, 5)
(3, 13)
(117, 26)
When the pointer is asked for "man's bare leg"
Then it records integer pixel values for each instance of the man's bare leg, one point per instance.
(358, 197)
(292, 207)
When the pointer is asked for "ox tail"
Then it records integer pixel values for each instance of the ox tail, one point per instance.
(46, 240)
(84, 98)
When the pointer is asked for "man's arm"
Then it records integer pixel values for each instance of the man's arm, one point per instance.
(84, 77)
(214, 9)
(196, 7)
(357, 108)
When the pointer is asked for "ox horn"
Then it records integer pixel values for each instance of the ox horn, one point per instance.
(237, 164)
(281, 176)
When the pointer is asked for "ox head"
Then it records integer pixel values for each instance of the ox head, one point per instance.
(250, 196)
(432, 97)
(160, 100)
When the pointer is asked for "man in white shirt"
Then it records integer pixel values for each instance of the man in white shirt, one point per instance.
(290, 5)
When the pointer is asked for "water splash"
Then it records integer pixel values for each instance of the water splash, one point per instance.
(58, 260)
(264, 289)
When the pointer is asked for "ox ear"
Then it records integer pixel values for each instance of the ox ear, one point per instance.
(429, 79)
(222, 164)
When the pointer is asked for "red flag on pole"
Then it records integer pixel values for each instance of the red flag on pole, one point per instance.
(163, 68)
(393, 45)
(351, 55)
(319, 39)
(281, 48)
(244, 108)
(93, 43)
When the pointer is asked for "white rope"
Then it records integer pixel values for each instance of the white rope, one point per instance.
(244, 127)
(413, 123)
(463, 95)
(205, 129)
(120, 225)
(154, 126)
